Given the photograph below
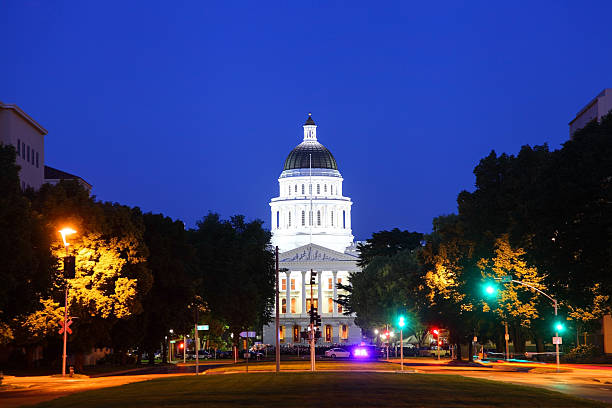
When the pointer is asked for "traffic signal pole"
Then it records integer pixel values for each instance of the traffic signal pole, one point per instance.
(556, 335)
(312, 332)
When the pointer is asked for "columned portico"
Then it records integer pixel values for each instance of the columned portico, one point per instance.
(303, 294)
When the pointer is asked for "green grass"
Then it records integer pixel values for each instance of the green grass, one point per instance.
(304, 365)
(350, 389)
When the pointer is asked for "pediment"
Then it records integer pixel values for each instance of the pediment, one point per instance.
(314, 252)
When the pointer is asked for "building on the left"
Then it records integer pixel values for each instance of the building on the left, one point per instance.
(19, 129)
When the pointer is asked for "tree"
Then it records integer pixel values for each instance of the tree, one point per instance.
(27, 264)
(236, 270)
(111, 271)
(387, 243)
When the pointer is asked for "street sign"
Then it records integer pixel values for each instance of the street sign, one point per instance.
(557, 340)
(172, 341)
(247, 334)
(202, 327)
(68, 329)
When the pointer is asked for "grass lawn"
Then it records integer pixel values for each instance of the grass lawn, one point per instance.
(350, 389)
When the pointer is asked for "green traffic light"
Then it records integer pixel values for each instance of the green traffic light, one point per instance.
(401, 321)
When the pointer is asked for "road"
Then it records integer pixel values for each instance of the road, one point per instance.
(593, 382)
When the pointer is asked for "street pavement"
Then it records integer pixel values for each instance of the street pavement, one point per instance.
(592, 381)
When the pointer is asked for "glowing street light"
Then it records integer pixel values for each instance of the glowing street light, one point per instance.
(401, 322)
(68, 260)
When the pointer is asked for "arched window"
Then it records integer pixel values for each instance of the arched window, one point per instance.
(343, 219)
(339, 308)
(302, 189)
(289, 219)
(330, 305)
(282, 334)
(284, 305)
(303, 218)
(318, 189)
(343, 332)
(293, 303)
(319, 218)
(332, 218)
(328, 333)
(277, 219)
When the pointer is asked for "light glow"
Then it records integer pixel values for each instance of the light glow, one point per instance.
(360, 352)
(490, 290)
(65, 232)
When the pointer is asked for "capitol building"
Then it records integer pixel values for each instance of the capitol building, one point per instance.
(311, 225)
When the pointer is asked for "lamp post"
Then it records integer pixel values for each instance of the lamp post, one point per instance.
(64, 232)
(276, 313)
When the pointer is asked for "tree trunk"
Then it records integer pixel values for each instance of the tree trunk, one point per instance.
(151, 354)
(471, 352)
(458, 351)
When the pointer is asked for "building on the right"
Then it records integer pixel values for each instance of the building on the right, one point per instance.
(594, 110)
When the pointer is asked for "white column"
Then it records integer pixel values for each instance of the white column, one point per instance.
(320, 286)
(288, 294)
(335, 286)
(303, 294)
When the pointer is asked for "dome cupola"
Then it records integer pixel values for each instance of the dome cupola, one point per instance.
(310, 153)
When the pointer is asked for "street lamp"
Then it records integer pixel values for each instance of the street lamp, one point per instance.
(64, 232)
(276, 313)
(558, 326)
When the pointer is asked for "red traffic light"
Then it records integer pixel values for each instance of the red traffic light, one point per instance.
(436, 332)
(181, 346)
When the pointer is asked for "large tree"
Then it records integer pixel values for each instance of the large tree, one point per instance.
(236, 269)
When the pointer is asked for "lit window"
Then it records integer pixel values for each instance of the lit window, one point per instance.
(330, 282)
(330, 305)
(283, 284)
(319, 218)
(339, 281)
(296, 334)
(318, 189)
(284, 305)
(282, 334)
(339, 308)
(328, 333)
(292, 284)
(277, 219)
(303, 218)
(343, 332)
(289, 219)
(293, 304)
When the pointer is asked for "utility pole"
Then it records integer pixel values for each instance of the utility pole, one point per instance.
(197, 341)
(277, 319)
(315, 321)
(507, 337)
(557, 335)
(69, 272)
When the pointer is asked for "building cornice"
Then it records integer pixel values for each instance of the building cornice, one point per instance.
(24, 116)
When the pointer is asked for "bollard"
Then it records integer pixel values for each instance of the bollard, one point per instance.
(71, 371)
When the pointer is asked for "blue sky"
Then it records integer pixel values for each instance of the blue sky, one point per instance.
(189, 107)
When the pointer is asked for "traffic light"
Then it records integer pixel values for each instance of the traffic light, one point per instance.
(317, 334)
(182, 346)
(317, 321)
(401, 321)
(436, 332)
(69, 267)
(313, 275)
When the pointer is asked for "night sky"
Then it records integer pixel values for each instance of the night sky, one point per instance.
(189, 107)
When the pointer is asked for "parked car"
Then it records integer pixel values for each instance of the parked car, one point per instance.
(337, 353)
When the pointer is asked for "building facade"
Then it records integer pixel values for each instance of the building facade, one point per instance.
(311, 225)
(600, 106)
(17, 128)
